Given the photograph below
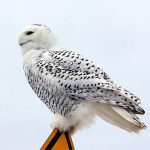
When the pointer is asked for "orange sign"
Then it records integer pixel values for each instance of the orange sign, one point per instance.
(58, 141)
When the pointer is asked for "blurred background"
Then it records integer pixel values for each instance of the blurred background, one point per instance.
(113, 34)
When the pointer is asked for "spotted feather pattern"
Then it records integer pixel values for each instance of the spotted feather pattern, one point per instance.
(63, 79)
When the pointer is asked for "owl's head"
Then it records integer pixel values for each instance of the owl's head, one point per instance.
(37, 37)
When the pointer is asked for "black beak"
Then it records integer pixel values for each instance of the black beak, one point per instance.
(23, 43)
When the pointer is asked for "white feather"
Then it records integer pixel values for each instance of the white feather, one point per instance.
(119, 117)
(85, 115)
(82, 117)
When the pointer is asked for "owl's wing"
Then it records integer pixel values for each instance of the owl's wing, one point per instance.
(82, 80)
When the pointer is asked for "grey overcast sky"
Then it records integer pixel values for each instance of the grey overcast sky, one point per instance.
(113, 34)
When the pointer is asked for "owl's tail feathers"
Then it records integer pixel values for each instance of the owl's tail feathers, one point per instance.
(119, 117)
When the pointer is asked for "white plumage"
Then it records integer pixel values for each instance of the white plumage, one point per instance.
(72, 87)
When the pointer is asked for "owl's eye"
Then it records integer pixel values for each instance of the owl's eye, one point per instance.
(29, 32)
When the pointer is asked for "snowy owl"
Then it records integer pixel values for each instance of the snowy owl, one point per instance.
(73, 87)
